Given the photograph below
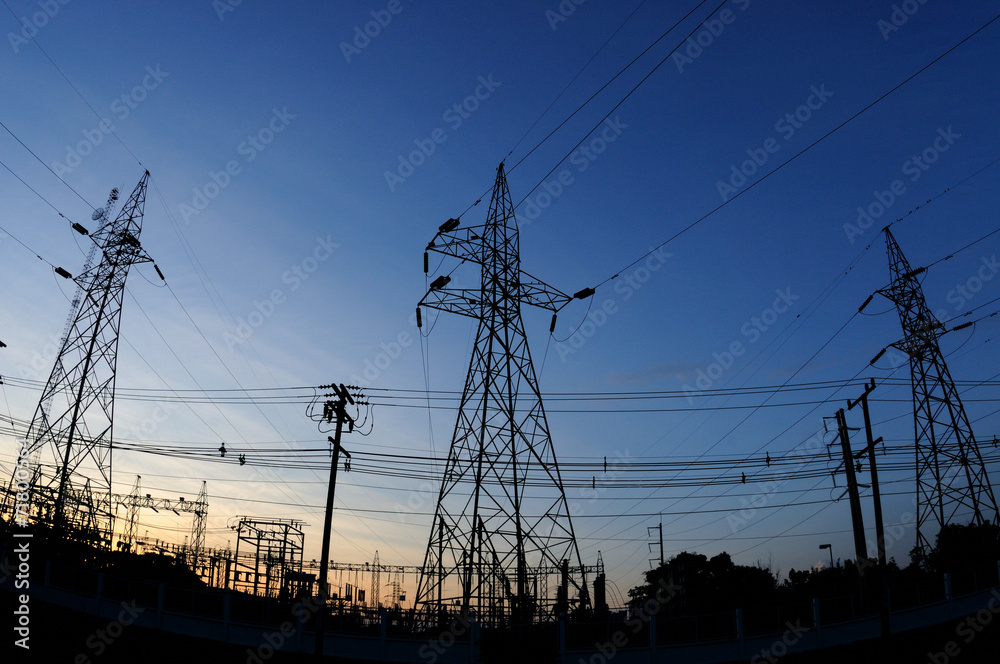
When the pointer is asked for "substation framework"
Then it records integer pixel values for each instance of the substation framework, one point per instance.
(274, 563)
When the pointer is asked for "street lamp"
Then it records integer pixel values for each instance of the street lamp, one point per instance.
(828, 546)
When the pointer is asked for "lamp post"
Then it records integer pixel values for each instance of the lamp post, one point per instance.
(830, 547)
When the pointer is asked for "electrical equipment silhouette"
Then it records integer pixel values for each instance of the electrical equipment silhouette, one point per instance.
(74, 417)
(951, 475)
(502, 525)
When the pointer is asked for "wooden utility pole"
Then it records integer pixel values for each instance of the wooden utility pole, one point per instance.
(860, 548)
(870, 451)
(334, 409)
(877, 499)
(659, 528)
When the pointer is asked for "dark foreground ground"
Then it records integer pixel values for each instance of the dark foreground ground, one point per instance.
(59, 635)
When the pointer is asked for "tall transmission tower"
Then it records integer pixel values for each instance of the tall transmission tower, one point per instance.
(951, 475)
(502, 524)
(81, 388)
(374, 600)
(100, 217)
(128, 540)
(199, 526)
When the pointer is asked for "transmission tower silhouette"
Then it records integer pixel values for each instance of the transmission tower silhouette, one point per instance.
(951, 475)
(199, 526)
(502, 525)
(75, 415)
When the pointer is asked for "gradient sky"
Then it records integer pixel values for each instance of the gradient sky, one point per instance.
(216, 75)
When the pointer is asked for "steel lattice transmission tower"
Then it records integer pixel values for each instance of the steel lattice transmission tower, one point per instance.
(199, 526)
(502, 524)
(75, 415)
(951, 475)
(132, 504)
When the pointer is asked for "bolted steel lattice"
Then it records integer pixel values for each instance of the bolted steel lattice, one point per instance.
(951, 475)
(502, 526)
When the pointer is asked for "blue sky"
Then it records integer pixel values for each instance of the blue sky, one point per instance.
(202, 86)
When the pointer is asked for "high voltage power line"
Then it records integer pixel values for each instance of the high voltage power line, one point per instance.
(780, 166)
(403, 395)
(580, 474)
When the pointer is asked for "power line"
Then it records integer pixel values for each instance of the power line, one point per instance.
(36, 254)
(789, 160)
(35, 192)
(576, 76)
(625, 98)
(242, 395)
(612, 80)
(39, 159)
(75, 89)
